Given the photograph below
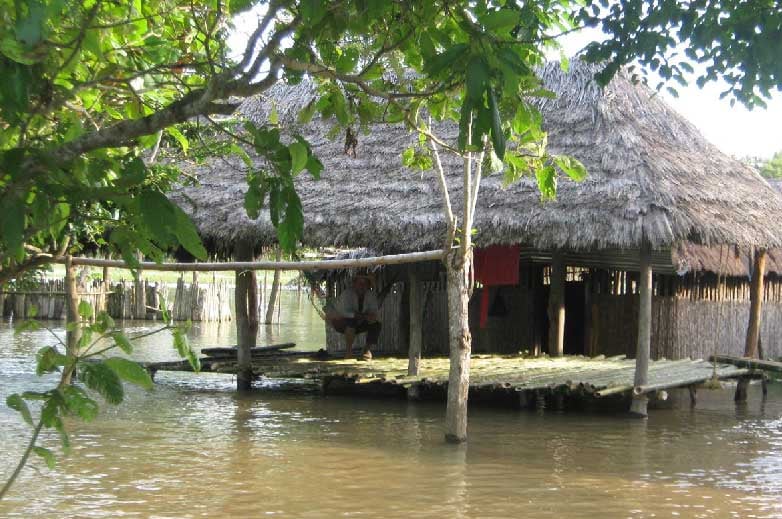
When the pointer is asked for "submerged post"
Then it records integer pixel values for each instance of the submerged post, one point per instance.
(556, 306)
(72, 334)
(416, 335)
(246, 303)
(639, 403)
(753, 327)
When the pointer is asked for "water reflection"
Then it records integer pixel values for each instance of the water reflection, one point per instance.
(194, 448)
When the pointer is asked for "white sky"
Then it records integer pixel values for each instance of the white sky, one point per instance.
(736, 131)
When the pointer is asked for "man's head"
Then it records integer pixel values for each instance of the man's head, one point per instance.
(361, 284)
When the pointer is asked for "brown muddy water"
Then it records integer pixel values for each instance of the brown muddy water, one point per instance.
(193, 448)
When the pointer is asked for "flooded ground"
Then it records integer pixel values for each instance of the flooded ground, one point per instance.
(193, 448)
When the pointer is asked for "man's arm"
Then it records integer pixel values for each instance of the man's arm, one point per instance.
(371, 307)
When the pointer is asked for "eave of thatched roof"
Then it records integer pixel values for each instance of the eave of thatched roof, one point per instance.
(652, 176)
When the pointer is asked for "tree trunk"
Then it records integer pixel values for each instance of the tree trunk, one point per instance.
(246, 317)
(73, 334)
(458, 272)
(753, 327)
(639, 403)
(274, 293)
(556, 341)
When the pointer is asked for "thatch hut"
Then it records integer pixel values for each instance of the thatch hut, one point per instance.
(654, 184)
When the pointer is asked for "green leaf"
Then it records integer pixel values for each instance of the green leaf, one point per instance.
(446, 59)
(18, 404)
(30, 29)
(85, 310)
(101, 378)
(180, 138)
(130, 371)
(122, 342)
(48, 359)
(314, 166)
(408, 156)
(103, 322)
(26, 326)
(547, 182)
(274, 116)
(290, 230)
(47, 456)
(477, 80)
(299, 156)
(184, 350)
(500, 21)
(497, 137)
(78, 403)
(187, 234)
(571, 167)
(306, 113)
(12, 225)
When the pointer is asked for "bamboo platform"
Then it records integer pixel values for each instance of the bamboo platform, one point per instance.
(596, 377)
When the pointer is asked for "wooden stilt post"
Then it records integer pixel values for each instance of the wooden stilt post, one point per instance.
(416, 332)
(753, 327)
(246, 301)
(556, 307)
(106, 288)
(73, 334)
(639, 403)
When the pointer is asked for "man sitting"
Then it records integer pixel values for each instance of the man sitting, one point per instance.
(357, 312)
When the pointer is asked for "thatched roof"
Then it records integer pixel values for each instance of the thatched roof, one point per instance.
(652, 176)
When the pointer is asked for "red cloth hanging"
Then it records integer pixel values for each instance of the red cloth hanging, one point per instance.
(494, 266)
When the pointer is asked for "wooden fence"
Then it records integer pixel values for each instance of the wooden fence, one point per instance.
(125, 300)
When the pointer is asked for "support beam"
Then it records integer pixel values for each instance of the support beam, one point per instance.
(392, 259)
(415, 339)
(556, 307)
(246, 303)
(640, 401)
(72, 334)
(755, 312)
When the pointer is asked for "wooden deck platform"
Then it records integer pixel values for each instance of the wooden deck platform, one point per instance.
(596, 377)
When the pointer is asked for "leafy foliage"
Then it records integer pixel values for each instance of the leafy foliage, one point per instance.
(99, 373)
(772, 168)
(732, 40)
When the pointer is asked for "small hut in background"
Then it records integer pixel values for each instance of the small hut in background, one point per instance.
(658, 198)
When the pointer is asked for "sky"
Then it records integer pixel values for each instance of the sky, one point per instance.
(736, 131)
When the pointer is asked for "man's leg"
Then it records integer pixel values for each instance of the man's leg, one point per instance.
(373, 332)
(350, 336)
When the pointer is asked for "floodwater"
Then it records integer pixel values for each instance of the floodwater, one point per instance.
(193, 448)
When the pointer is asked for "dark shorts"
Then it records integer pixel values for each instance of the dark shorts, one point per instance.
(360, 326)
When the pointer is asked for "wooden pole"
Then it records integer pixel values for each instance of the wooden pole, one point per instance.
(73, 333)
(556, 306)
(106, 287)
(246, 300)
(270, 305)
(393, 259)
(638, 406)
(755, 310)
(416, 335)
(140, 304)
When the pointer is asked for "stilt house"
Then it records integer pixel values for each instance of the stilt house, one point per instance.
(656, 189)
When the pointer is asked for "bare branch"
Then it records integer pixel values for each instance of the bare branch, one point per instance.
(447, 209)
